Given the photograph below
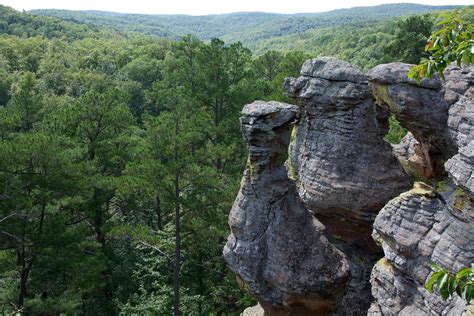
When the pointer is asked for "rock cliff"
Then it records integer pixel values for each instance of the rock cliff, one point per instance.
(339, 228)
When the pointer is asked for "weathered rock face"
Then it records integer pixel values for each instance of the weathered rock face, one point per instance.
(302, 238)
(277, 248)
(406, 148)
(426, 225)
(344, 170)
(414, 156)
(461, 168)
(460, 91)
(420, 227)
(459, 94)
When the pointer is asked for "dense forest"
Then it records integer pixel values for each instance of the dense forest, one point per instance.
(120, 157)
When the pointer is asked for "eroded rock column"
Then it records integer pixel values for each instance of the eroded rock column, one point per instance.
(344, 170)
(277, 248)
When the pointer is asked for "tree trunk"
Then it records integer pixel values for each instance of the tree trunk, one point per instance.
(158, 213)
(98, 217)
(200, 281)
(177, 257)
(21, 261)
(22, 295)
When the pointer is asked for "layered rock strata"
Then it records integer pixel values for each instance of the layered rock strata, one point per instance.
(461, 168)
(344, 170)
(438, 113)
(420, 227)
(459, 92)
(277, 248)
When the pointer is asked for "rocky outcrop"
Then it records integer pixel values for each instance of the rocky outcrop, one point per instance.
(417, 228)
(277, 248)
(459, 94)
(307, 233)
(419, 108)
(426, 225)
(344, 170)
(460, 91)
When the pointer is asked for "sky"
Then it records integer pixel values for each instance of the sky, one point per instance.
(202, 7)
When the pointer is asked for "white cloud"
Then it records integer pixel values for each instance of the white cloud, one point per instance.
(199, 7)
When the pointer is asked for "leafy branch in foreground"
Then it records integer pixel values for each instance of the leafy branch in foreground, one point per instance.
(453, 42)
(448, 283)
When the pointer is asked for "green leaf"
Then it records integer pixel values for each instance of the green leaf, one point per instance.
(463, 272)
(451, 285)
(466, 57)
(442, 281)
(468, 293)
(444, 293)
(432, 280)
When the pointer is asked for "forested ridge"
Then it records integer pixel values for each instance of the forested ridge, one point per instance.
(113, 143)
(250, 28)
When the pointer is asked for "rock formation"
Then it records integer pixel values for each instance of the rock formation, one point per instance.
(459, 92)
(277, 248)
(344, 170)
(424, 110)
(307, 233)
(461, 166)
(427, 225)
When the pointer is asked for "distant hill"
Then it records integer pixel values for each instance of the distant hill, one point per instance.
(250, 28)
(24, 24)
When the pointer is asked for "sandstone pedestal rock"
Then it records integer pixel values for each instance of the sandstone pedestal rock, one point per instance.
(277, 248)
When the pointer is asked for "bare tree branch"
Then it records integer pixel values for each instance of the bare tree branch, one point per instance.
(156, 248)
(10, 235)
